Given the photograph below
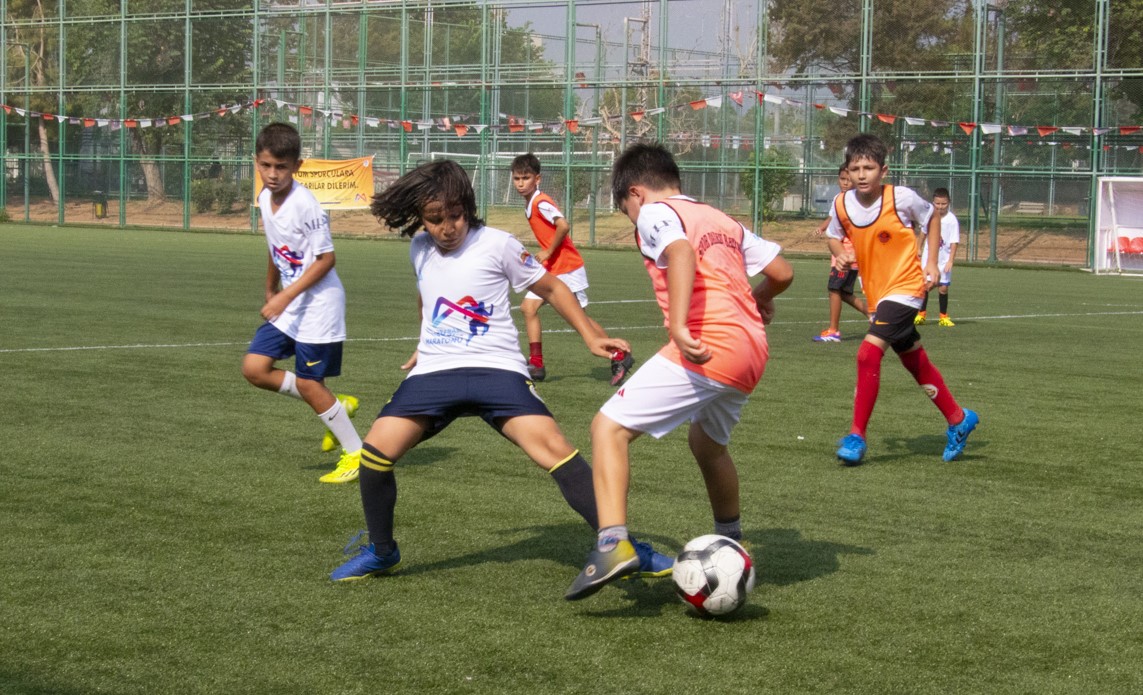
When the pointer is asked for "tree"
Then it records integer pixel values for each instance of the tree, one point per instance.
(779, 171)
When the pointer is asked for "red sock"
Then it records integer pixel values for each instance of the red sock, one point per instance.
(932, 383)
(536, 352)
(868, 384)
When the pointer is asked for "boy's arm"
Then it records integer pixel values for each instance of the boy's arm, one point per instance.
(933, 239)
(777, 277)
(552, 290)
(952, 257)
(680, 259)
(273, 277)
(275, 305)
(844, 258)
(562, 229)
(412, 361)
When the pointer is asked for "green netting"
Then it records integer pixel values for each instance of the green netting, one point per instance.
(123, 112)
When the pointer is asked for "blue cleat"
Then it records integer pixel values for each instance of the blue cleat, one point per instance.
(958, 435)
(851, 449)
(652, 563)
(367, 563)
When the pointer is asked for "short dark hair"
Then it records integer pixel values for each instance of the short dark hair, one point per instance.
(280, 140)
(842, 169)
(866, 146)
(942, 193)
(526, 164)
(644, 164)
(400, 205)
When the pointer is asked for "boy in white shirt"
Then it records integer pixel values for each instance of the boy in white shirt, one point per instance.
(305, 301)
(950, 237)
(468, 360)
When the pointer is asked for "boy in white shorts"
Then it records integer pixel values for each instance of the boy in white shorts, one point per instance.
(950, 237)
(699, 260)
(559, 257)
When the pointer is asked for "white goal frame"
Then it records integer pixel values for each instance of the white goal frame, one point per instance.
(1119, 216)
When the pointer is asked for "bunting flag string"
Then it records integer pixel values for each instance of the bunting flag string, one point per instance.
(462, 125)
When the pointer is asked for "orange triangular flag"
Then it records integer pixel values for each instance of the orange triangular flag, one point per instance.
(1129, 129)
(130, 123)
(174, 120)
(461, 130)
(407, 125)
(886, 118)
(515, 127)
(700, 104)
(1044, 130)
(638, 115)
(967, 127)
(88, 122)
(306, 110)
(573, 125)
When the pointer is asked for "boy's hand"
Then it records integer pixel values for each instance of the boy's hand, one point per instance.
(932, 275)
(766, 309)
(543, 255)
(411, 362)
(693, 350)
(845, 259)
(605, 346)
(274, 306)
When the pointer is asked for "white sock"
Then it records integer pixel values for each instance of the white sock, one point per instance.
(730, 529)
(289, 386)
(338, 422)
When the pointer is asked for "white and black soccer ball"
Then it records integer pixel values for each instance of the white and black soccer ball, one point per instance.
(714, 575)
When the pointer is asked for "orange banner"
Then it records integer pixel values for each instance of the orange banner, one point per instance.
(338, 184)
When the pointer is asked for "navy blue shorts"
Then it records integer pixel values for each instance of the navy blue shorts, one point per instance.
(314, 361)
(893, 323)
(492, 394)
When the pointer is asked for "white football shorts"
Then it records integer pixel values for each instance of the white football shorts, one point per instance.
(576, 281)
(661, 395)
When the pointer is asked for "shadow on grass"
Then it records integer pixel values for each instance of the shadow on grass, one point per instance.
(928, 447)
(784, 557)
(14, 684)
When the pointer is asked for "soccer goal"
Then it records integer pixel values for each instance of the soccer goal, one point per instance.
(1119, 225)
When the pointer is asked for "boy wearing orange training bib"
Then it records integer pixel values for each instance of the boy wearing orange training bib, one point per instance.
(700, 260)
(879, 220)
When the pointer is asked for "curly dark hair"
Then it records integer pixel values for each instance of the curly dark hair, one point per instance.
(400, 205)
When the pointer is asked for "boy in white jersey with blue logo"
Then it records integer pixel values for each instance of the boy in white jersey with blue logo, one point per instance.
(305, 301)
(946, 254)
(468, 360)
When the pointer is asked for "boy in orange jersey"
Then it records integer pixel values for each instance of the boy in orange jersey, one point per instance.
(559, 257)
(879, 220)
(842, 279)
(700, 260)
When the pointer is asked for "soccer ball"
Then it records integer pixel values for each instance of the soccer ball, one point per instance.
(714, 574)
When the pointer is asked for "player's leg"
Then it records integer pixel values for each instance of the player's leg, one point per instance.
(315, 362)
(919, 319)
(267, 347)
(961, 420)
(530, 308)
(721, 478)
(832, 334)
(851, 448)
(943, 297)
(542, 440)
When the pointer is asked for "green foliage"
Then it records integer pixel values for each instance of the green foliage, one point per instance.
(779, 171)
(204, 192)
(229, 193)
(4, 216)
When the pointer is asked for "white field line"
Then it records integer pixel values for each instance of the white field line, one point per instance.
(618, 330)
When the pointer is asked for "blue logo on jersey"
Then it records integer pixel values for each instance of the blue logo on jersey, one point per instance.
(476, 313)
(289, 262)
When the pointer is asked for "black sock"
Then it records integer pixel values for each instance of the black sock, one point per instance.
(925, 302)
(574, 478)
(944, 303)
(378, 498)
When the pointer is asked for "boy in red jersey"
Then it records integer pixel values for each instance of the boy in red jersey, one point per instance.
(559, 257)
(879, 220)
(699, 260)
